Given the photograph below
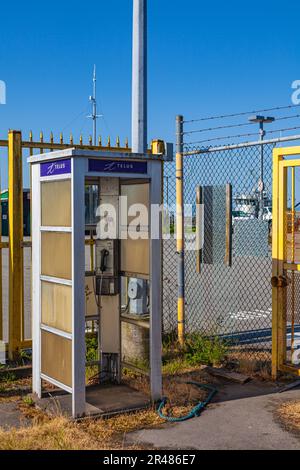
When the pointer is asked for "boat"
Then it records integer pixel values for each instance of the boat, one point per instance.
(247, 206)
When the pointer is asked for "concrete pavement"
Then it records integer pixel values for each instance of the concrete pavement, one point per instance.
(232, 422)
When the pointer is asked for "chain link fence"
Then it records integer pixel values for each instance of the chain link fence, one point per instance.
(169, 253)
(234, 302)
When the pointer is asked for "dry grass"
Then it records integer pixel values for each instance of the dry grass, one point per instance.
(47, 433)
(289, 415)
(59, 433)
(256, 367)
(56, 434)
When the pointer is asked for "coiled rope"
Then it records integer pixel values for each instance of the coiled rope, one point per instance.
(196, 411)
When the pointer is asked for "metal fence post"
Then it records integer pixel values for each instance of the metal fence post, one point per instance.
(1, 271)
(15, 214)
(180, 229)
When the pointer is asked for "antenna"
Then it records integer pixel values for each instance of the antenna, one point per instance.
(93, 99)
(139, 77)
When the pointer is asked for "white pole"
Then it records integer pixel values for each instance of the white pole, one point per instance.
(94, 107)
(139, 77)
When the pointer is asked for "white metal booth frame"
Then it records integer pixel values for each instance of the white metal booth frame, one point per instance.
(51, 228)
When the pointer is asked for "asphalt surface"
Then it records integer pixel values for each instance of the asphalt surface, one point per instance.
(231, 423)
(221, 299)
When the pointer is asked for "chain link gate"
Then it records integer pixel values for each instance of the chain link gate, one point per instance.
(233, 302)
(286, 261)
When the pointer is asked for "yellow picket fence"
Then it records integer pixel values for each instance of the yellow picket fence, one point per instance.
(16, 152)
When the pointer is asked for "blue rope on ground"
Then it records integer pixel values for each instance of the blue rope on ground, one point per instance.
(196, 411)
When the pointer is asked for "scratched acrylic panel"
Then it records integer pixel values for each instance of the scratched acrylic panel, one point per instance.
(56, 306)
(56, 357)
(91, 308)
(137, 195)
(135, 230)
(56, 203)
(56, 255)
(135, 256)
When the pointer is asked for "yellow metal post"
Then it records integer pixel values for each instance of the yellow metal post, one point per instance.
(281, 289)
(180, 229)
(275, 206)
(15, 212)
(293, 261)
(42, 141)
(281, 163)
(1, 306)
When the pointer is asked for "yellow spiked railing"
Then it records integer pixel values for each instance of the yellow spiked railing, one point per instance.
(16, 243)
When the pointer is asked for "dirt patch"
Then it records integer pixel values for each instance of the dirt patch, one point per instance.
(13, 390)
(181, 395)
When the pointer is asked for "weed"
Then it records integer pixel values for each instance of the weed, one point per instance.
(25, 356)
(9, 377)
(28, 400)
(142, 364)
(205, 350)
(91, 342)
(175, 366)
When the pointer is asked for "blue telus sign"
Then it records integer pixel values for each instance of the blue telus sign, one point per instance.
(57, 167)
(117, 166)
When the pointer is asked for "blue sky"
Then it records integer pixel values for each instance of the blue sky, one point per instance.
(204, 58)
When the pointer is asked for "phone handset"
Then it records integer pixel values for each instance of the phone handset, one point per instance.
(104, 257)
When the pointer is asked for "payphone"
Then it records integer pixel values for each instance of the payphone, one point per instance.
(107, 243)
(68, 292)
(116, 262)
(106, 284)
(107, 269)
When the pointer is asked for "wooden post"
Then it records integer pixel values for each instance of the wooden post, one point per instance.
(228, 244)
(199, 229)
(15, 214)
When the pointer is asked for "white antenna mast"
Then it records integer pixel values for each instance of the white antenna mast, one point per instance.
(139, 77)
(93, 99)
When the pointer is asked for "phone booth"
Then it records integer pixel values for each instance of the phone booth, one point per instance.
(117, 198)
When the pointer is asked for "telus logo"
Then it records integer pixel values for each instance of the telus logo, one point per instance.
(117, 165)
(53, 167)
(57, 167)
